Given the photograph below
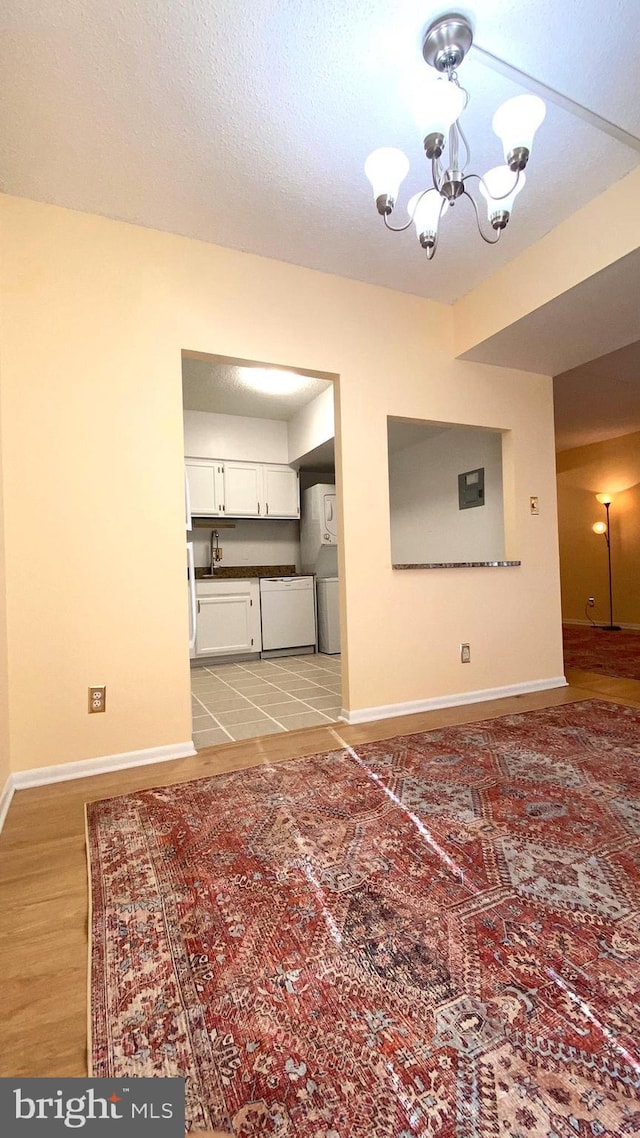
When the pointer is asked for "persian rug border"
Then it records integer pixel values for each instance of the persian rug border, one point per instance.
(90, 938)
(600, 699)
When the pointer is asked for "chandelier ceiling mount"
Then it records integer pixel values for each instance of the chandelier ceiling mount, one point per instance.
(446, 42)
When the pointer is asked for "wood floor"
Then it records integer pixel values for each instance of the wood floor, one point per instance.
(43, 874)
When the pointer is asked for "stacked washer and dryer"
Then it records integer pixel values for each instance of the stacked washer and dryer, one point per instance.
(319, 555)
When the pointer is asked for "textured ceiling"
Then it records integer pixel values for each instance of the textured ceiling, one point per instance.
(248, 123)
(214, 385)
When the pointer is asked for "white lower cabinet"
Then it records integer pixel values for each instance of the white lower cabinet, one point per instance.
(228, 617)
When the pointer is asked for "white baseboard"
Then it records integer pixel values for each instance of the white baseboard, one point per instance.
(84, 768)
(5, 799)
(391, 710)
(598, 624)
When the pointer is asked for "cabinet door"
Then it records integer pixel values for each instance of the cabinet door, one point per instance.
(281, 492)
(255, 627)
(225, 625)
(242, 489)
(201, 479)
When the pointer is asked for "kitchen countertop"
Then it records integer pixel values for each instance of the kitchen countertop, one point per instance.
(244, 572)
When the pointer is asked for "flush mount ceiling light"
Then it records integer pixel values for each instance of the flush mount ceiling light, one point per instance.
(438, 105)
(271, 380)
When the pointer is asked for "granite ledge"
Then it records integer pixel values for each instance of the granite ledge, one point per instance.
(460, 565)
(244, 572)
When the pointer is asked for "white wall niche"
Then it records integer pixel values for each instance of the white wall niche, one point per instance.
(427, 525)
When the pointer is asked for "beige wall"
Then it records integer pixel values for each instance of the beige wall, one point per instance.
(4, 676)
(609, 467)
(606, 229)
(313, 425)
(95, 316)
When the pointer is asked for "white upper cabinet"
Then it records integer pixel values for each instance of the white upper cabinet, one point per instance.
(202, 487)
(242, 489)
(281, 490)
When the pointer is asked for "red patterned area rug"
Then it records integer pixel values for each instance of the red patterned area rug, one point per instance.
(434, 935)
(608, 653)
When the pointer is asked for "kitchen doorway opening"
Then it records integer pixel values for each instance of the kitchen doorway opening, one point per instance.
(263, 547)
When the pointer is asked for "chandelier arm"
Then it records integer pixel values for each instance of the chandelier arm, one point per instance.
(488, 240)
(453, 146)
(435, 173)
(466, 144)
(433, 249)
(402, 228)
(396, 228)
(453, 78)
(496, 197)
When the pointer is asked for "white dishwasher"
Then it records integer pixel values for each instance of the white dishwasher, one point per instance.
(288, 613)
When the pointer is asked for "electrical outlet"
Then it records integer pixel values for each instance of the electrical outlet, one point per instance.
(465, 653)
(591, 601)
(97, 698)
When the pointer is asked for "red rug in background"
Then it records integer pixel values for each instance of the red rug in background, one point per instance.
(436, 935)
(596, 650)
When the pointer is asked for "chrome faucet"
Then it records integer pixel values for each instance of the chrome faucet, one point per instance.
(215, 550)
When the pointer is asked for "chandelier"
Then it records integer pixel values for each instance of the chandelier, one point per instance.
(438, 107)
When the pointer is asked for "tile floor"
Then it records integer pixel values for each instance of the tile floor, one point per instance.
(263, 697)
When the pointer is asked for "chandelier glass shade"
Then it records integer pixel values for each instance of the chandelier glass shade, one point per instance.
(437, 106)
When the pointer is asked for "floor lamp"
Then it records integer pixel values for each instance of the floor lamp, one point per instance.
(603, 528)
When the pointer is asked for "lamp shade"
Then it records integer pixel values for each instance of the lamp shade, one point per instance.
(437, 104)
(386, 168)
(605, 499)
(497, 183)
(599, 527)
(428, 208)
(516, 122)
